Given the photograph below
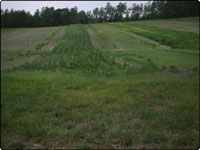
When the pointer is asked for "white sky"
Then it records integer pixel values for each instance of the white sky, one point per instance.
(82, 5)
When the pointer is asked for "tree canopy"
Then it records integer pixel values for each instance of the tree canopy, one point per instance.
(56, 17)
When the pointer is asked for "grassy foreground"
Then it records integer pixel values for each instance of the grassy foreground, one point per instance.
(125, 93)
(154, 110)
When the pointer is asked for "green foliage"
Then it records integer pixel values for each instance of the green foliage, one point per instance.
(51, 17)
(163, 36)
(76, 52)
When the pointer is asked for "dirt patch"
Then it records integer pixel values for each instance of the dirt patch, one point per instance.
(53, 42)
(139, 37)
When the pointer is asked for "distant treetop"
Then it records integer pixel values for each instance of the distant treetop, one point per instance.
(56, 17)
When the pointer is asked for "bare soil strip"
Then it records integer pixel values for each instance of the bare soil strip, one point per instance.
(140, 37)
(53, 42)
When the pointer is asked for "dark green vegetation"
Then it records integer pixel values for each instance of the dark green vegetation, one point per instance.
(162, 35)
(101, 88)
(59, 17)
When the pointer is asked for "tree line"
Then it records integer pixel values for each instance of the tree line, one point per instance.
(48, 16)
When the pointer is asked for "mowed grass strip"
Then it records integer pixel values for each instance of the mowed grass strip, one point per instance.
(133, 50)
(173, 57)
(24, 38)
(172, 38)
(181, 24)
(111, 39)
(174, 25)
(145, 111)
(76, 53)
(23, 46)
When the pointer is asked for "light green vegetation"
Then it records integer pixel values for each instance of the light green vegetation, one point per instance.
(101, 88)
(164, 36)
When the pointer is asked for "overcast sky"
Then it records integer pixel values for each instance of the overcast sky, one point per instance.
(82, 5)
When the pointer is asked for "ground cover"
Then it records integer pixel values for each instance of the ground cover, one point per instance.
(101, 88)
(174, 25)
(74, 111)
(164, 36)
(21, 46)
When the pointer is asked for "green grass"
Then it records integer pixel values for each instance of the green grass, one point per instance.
(109, 39)
(178, 58)
(135, 51)
(188, 19)
(77, 109)
(78, 96)
(76, 52)
(163, 36)
(24, 44)
(174, 24)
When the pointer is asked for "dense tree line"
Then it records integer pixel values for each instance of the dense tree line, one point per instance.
(51, 17)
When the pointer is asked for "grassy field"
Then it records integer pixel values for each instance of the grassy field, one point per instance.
(19, 46)
(100, 86)
(162, 35)
(181, 24)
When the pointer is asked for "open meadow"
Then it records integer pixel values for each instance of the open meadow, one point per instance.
(107, 85)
